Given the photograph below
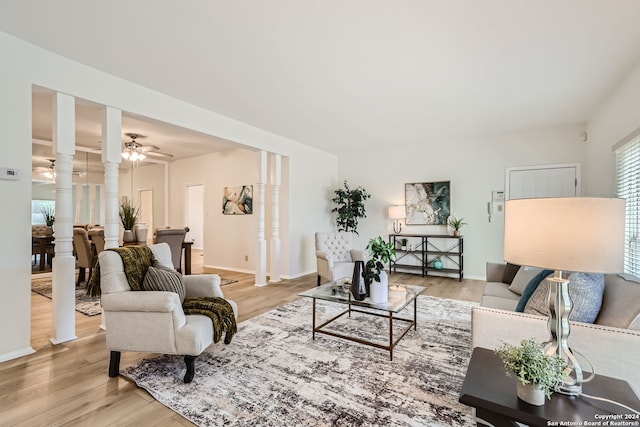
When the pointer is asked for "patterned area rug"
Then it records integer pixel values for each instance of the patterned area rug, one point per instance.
(88, 306)
(274, 374)
(224, 281)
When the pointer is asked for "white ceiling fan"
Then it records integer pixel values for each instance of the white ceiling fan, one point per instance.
(135, 151)
(49, 172)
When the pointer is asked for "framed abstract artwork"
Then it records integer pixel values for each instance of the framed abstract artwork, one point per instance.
(238, 200)
(427, 203)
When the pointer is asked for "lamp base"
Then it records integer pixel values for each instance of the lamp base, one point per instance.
(560, 306)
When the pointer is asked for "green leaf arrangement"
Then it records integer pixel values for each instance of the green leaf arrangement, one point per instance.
(529, 363)
(456, 223)
(48, 212)
(380, 253)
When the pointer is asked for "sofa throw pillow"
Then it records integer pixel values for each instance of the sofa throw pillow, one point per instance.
(530, 289)
(160, 278)
(510, 271)
(522, 279)
(585, 289)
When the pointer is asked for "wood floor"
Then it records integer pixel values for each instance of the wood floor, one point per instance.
(67, 384)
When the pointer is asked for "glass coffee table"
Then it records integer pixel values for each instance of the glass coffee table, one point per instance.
(400, 296)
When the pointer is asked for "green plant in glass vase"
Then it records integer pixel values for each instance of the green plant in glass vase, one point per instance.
(48, 213)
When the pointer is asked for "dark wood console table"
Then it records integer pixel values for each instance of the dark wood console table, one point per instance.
(488, 389)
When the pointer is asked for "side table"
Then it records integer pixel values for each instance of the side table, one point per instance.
(488, 389)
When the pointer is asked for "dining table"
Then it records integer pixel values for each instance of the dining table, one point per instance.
(43, 241)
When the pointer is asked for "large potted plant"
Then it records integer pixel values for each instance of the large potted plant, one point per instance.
(379, 253)
(128, 218)
(538, 374)
(350, 207)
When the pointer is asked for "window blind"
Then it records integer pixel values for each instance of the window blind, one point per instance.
(628, 188)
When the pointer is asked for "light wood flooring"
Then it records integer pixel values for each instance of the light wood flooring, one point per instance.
(67, 384)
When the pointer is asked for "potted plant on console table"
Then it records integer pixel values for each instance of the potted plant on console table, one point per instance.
(538, 374)
(379, 254)
(128, 218)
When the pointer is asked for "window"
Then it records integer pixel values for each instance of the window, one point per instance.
(628, 188)
(38, 210)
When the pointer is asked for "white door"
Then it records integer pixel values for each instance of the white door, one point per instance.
(543, 181)
(146, 211)
(195, 215)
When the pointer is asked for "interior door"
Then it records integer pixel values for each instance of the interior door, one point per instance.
(543, 181)
(146, 210)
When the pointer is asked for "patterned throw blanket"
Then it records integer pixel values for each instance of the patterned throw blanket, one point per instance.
(136, 261)
(218, 310)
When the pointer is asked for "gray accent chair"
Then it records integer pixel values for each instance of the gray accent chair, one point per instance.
(336, 255)
(153, 321)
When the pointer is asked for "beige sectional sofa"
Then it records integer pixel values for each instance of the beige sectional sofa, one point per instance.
(611, 344)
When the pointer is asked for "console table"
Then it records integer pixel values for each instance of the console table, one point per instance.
(488, 389)
(422, 250)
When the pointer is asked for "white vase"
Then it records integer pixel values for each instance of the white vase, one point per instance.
(379, 291)
(128, 236)
(141, 232)
(531, 394)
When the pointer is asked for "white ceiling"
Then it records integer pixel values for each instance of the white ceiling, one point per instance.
(354, 74)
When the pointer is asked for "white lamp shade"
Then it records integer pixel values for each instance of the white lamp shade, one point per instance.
(397, 212)
(567, 234)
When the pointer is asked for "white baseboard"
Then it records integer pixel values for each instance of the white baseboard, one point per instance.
(15, 354)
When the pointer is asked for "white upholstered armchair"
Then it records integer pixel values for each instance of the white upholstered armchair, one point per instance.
(336, 255)
(154, 321)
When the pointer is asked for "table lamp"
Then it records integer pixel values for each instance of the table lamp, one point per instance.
(574, 234)
(396, 213)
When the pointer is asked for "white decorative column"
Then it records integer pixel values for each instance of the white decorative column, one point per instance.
(64, 263)
(274, 252)
(261, 244)
(111, 157)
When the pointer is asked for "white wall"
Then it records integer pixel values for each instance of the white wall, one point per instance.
(617, 118)
(26, 65)
(474, 168)
(144, 178)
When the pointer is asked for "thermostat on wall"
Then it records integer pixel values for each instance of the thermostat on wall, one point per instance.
(10, 174)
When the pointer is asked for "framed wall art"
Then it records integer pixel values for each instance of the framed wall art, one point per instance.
(427, 203)
(238, 200)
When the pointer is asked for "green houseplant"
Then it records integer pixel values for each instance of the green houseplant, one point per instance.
(128, 217)
(534, 369)
(48, 213)
(456, 224)
(379, 254)
(350, 207)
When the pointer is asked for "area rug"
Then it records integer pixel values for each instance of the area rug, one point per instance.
(224, 281)
(274, 374)
(86, 305)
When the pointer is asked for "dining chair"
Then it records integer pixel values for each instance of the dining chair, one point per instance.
(86, 256)
(174, 238)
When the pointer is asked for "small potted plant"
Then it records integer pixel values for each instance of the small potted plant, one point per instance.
(128, 218)
(48, 213)
(379, 253)
(403, 244)
(456, 224)
(538, 374)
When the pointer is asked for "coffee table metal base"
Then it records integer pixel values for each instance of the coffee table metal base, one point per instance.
(392, 343)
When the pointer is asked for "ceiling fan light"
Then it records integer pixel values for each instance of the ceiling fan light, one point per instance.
(125, 155)
(141, 156)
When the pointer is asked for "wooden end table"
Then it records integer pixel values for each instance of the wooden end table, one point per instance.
(488, 389)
